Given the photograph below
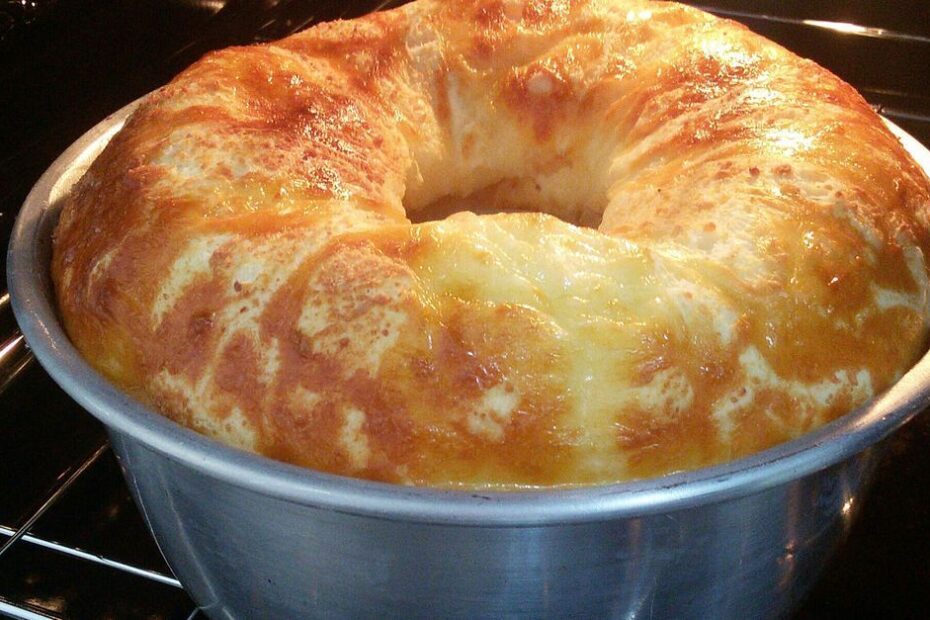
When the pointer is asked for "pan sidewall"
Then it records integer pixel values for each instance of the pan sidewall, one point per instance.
(241, 553)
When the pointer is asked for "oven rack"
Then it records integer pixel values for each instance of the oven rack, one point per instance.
(30, 608)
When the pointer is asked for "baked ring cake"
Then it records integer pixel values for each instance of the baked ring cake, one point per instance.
(501, 244)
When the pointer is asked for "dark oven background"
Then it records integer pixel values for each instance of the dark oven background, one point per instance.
(72, 544)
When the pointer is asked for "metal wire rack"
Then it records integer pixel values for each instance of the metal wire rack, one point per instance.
(72, 544)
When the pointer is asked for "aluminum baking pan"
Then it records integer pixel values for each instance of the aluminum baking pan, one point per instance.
(252, 537)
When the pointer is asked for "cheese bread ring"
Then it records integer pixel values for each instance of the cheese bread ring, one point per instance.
(501, 244)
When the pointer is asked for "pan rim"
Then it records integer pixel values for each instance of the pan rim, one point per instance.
(33, 306)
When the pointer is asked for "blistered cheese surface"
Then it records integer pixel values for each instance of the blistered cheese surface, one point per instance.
(501, 244)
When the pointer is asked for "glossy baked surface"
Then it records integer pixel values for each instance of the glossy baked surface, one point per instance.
(750, 263)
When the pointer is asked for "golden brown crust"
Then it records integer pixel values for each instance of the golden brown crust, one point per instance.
(240, 255)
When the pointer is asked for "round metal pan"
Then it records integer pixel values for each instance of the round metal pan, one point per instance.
(252, 537)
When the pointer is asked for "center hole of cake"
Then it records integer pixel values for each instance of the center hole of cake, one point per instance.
(506, 197)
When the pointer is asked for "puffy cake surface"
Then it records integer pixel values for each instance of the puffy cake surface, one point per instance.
(690, 245)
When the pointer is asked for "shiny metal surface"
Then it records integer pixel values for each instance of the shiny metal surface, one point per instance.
(14, 354)
(251, 537)
(243, 554)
